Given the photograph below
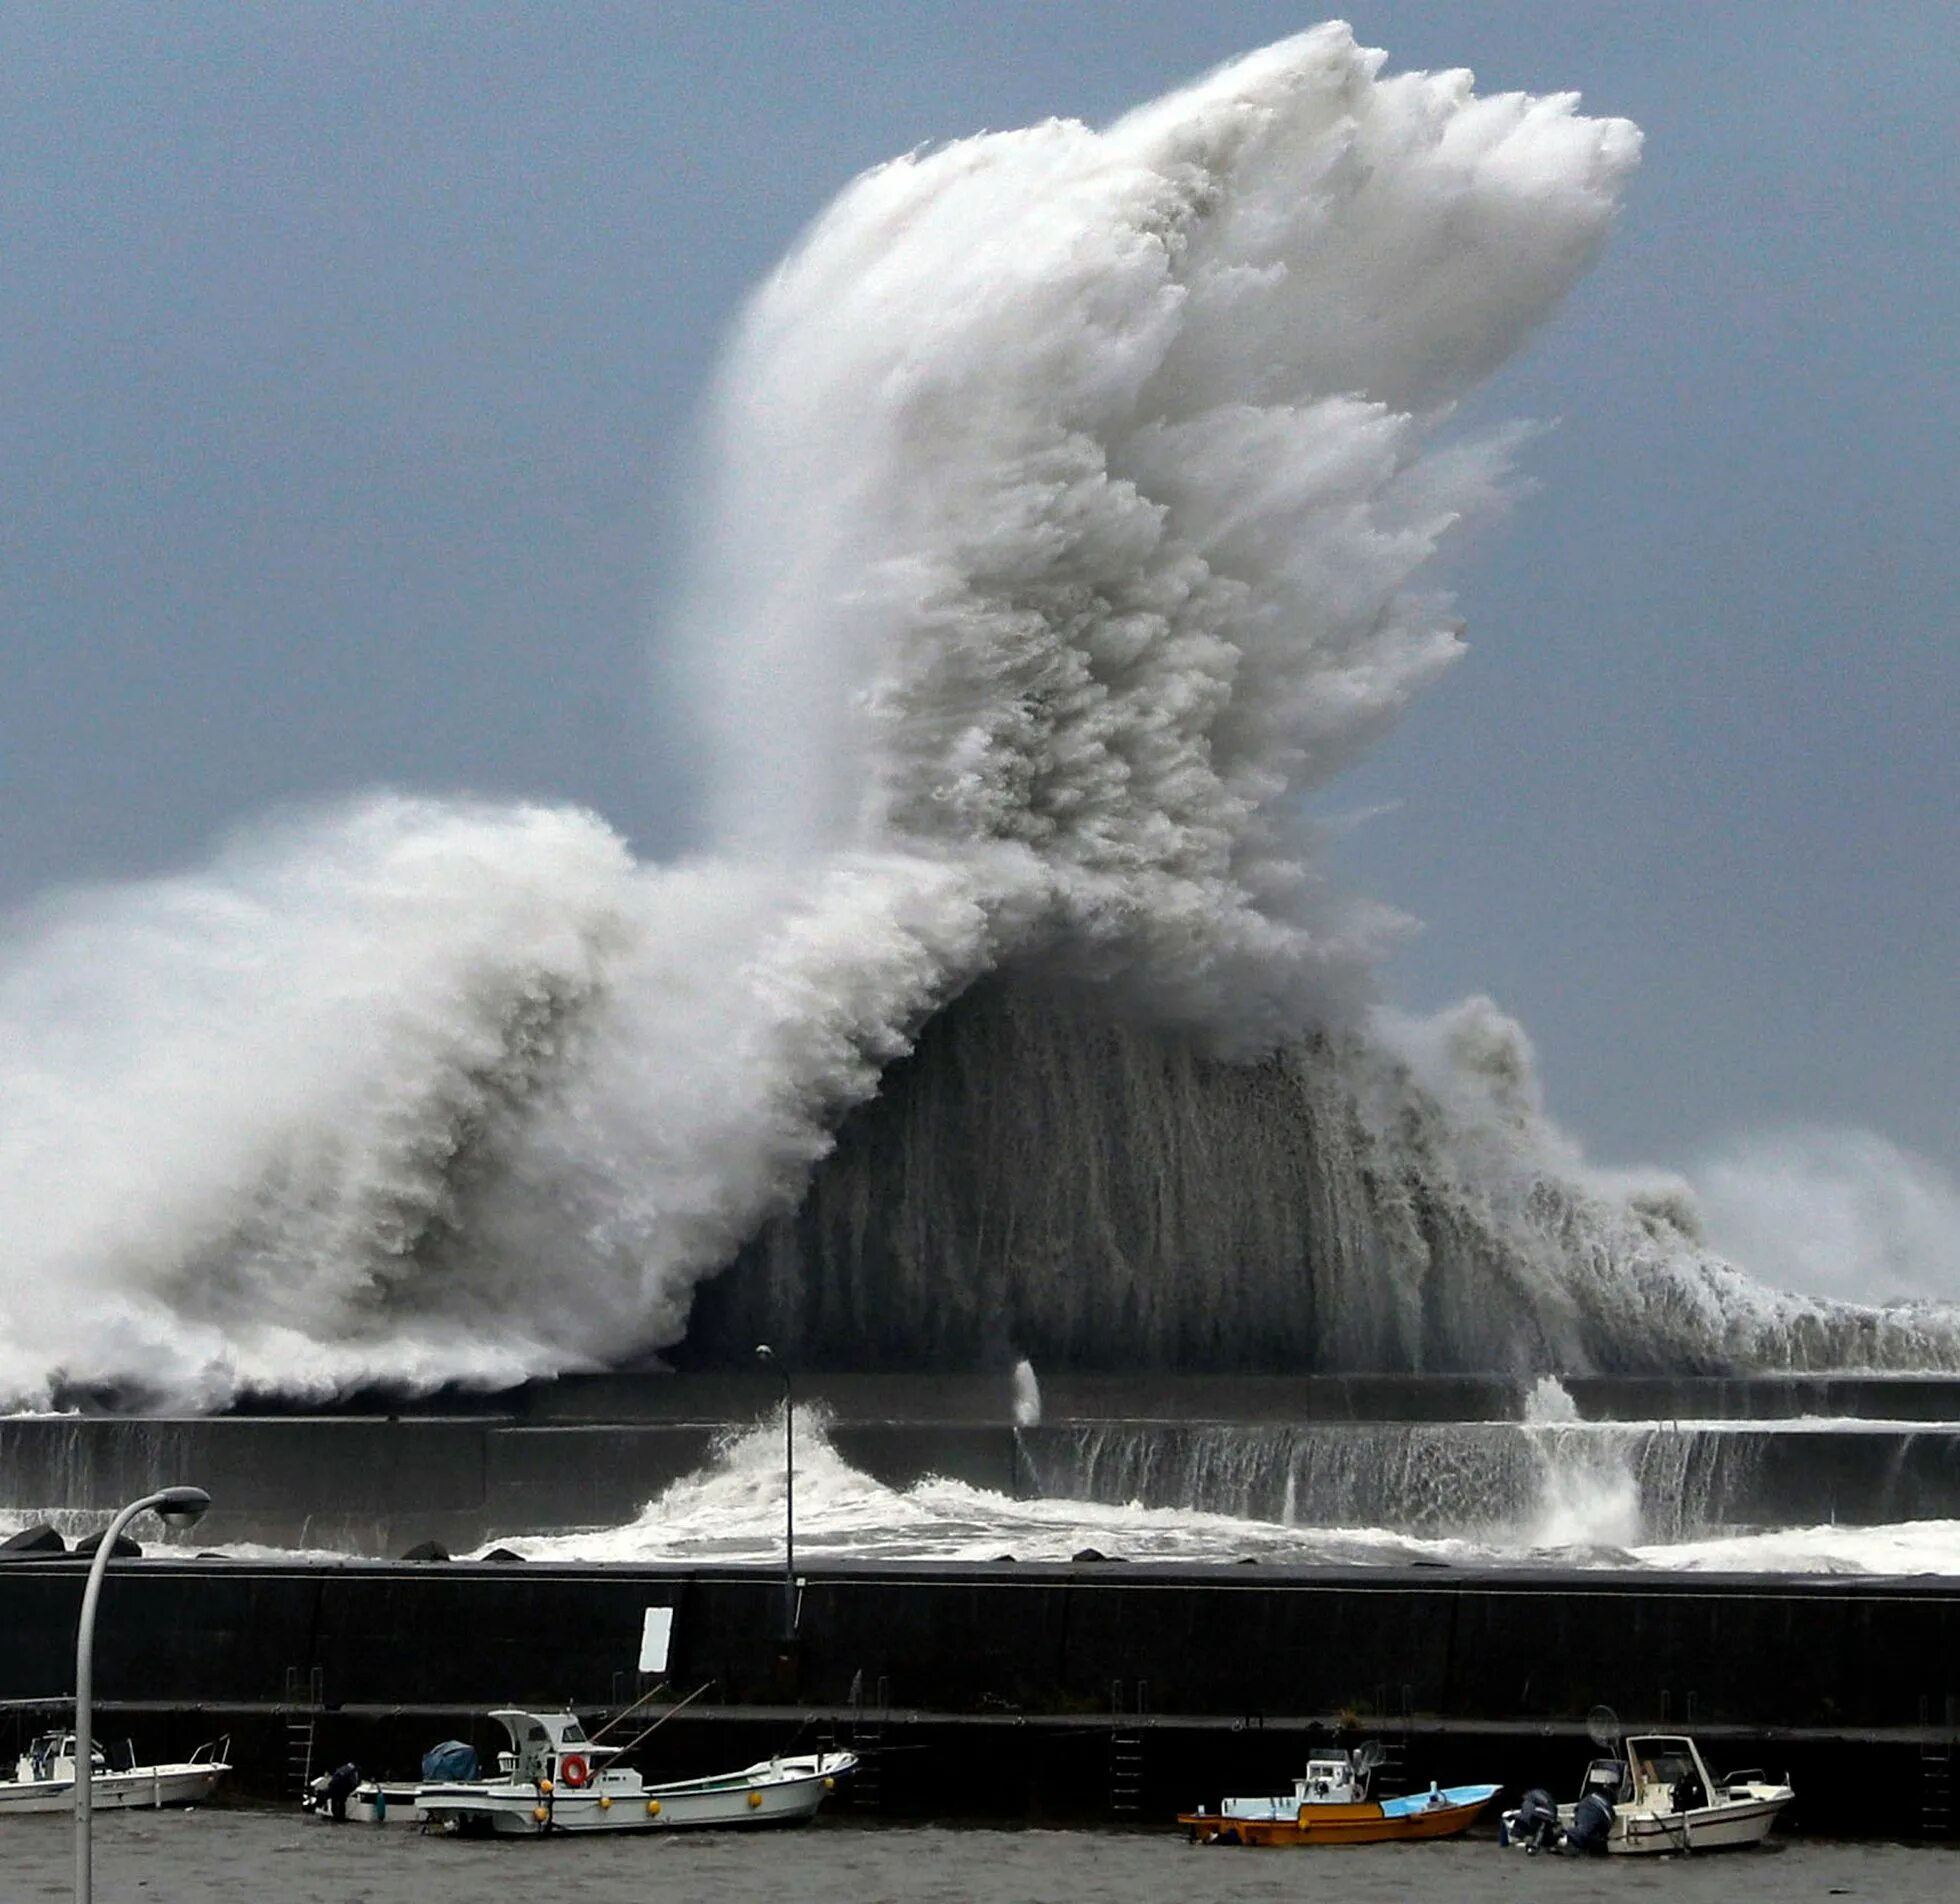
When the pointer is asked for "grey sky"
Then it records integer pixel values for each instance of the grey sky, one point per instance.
(350, 354)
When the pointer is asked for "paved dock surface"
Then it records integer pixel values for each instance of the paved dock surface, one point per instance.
(227, 1856)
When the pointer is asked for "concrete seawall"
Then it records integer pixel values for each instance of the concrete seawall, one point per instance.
(701, 1396)
(1843, 1676)
(1772, 1653)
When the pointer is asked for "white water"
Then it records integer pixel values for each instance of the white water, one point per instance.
(1072, 502)
(733, 1510)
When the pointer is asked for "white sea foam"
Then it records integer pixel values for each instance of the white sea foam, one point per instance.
(733, 1510)
(1072, 495)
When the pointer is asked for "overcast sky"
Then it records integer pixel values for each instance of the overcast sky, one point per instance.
(350, 357)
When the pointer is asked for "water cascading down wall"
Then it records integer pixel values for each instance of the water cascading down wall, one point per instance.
(1043, 1177)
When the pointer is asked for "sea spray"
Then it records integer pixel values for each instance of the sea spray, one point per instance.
(1047, 1176)
(1073, 505)
(732, 1509)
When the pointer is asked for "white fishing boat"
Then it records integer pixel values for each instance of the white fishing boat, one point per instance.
(44, 1779)
(1654, 1795)
(553, 1778)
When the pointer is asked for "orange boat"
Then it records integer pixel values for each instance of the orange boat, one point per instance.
(1330, 1805)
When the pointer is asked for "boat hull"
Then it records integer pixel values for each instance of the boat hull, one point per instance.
(150, 1788)
(1731, 1827)
(370, 1804)
(704, 1804)
(1352, 1824)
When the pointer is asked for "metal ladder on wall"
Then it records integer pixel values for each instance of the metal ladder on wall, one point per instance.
(1126, 1751)
(1936, 1773)
(1391, 1775)
(302, 1705)
(868, 1742)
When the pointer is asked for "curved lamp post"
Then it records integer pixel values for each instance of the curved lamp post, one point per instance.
(765, 1354)
(178, 1507)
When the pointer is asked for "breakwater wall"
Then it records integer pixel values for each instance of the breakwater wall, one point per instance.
(991, 1667)
(377, 1486)
(710, 1397)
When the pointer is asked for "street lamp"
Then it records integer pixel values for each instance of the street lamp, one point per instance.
(765, 1354)
(177, 1507)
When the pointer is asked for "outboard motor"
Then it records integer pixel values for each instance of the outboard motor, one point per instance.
(1535, 1822)
(1592, 1819)
(332, 1792)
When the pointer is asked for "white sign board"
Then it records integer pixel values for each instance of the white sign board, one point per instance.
(655, 1637)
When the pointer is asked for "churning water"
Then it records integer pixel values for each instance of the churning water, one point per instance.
(1585, 1495)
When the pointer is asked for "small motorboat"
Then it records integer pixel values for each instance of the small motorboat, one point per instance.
(1330, 1805)
(1653, 1795)
(343, 1796)
(555, 1779)
(44, 1778)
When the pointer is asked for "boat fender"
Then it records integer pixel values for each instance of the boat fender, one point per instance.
(544, 1785)
(380, 1806)
(653, 1808)
(755, 1798)
(830, 1784)
(605, 1803)
(539, 1813)
(574, 1770)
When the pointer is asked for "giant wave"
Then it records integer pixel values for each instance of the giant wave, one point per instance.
(1073, 508)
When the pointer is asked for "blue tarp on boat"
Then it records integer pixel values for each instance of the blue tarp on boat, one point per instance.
(450, 1763)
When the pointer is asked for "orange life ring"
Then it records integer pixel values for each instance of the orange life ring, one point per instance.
(574, 1770)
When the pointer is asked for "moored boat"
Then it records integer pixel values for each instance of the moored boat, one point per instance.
(555, 1779)
(1654, 1795)
(44, 1778)
(1330, 1804)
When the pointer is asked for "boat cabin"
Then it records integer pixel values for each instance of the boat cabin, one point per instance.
(541, 1741)
(1332, 1778)
(1665, 1772)
(52, 1756)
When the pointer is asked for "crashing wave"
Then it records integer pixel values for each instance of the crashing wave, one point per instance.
(1073, 502)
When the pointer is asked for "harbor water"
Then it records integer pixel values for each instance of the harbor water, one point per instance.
(226, 1856)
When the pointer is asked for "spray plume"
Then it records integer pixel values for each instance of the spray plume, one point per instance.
(1071, 500)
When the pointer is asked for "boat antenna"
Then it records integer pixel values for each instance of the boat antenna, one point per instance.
(624, 1713)
(622, 1751)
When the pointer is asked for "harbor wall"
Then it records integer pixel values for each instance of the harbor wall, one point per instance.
(998, 1637)
(1009, 1689)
